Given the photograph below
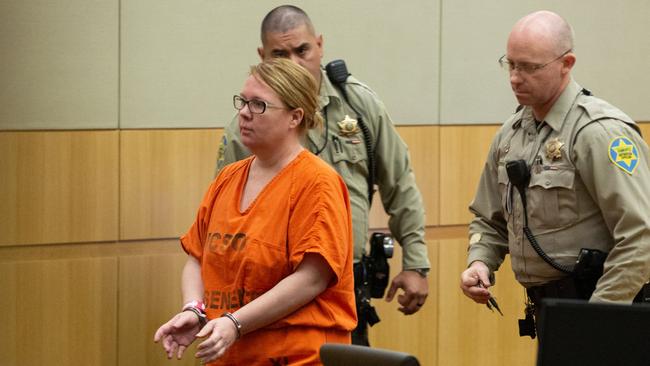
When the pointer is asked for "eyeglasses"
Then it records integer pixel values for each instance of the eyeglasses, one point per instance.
(524, 67)
(256, 106)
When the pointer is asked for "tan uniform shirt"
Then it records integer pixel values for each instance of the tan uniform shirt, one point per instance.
(589, 188)
(344, 149)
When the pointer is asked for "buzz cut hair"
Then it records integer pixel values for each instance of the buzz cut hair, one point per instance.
(283, 19)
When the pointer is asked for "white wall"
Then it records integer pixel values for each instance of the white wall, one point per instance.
(173, 64)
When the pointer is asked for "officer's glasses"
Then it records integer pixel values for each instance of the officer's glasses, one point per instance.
(256, 106)
(524, 67)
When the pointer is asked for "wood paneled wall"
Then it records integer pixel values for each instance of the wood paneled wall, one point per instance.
(163, 176)
(59, 312)
(90, 262)
(58, 187)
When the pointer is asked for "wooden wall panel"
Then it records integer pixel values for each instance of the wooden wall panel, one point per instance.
(150, 294)
(58, 187)
(163, 177)
(425, 159)
(463, 150)
(378, 217)
(469, 333)
(417, 333)
(164, 174)
(424, 147)
(60, 312)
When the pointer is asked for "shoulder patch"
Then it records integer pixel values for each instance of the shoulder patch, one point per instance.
(624, 154)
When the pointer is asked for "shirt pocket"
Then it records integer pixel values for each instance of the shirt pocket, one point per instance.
(504, 187)
(349, 156)
(265, 265)
(552, 199)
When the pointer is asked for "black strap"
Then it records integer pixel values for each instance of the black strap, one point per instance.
(338, 74)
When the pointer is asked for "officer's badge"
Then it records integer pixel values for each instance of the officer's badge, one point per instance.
(624, 154)
(554, 149)
(348, 127)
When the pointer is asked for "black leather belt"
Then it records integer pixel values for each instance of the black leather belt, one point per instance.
(570, 288)
(562, 289)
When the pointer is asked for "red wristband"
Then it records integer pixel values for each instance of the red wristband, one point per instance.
(195, 304)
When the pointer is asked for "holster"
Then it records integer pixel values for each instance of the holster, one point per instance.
(366, 313)
(644, 294)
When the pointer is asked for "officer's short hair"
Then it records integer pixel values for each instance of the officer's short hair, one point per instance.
(283, 19)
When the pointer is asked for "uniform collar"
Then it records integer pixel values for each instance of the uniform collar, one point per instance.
(555, 117)
(326, 95)
(327, 90)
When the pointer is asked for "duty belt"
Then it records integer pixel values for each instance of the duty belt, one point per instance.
(563, 289)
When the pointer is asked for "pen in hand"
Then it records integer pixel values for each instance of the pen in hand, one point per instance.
(492, 302)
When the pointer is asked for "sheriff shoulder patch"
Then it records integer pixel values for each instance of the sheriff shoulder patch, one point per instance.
(624, 154)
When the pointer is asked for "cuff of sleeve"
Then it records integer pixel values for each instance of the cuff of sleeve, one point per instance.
(334, 264)
(477, 253)
(415, 256)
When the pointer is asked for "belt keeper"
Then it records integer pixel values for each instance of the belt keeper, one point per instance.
(235, 321)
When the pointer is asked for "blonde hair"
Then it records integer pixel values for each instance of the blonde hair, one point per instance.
(295, 86)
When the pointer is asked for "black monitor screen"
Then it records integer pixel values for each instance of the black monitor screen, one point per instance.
(575, 332)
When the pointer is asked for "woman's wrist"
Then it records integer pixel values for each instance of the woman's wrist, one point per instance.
(198, 304)
(198, 308)
(234, 320)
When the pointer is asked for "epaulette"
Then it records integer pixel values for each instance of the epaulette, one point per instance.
(352, 81)
(598, 109)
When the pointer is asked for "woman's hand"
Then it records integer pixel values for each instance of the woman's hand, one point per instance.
(299, 288)
(221, 333)
(178, 333)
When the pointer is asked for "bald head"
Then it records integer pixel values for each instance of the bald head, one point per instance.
(540, 60)
(545, 26)
(283, 19)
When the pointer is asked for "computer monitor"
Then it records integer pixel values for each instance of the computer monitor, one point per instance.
(332, 354)
(576, 332)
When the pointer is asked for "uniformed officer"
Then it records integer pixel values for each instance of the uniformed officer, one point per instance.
(589, 181)
(288, 32)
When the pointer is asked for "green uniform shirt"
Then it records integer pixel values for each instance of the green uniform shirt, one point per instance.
(344, 149)
(589, 188)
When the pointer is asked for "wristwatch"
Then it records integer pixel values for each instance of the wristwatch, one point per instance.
(421, 271)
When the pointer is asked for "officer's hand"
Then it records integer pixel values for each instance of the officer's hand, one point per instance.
(416, 289)
(469, 282)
